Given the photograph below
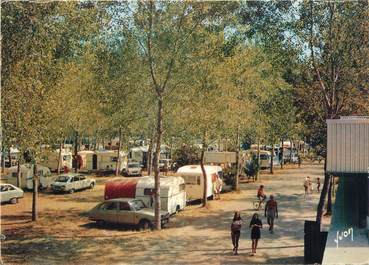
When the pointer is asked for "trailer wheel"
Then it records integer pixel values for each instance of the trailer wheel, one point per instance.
(71, 191)
(14, 200)
(92, 185)
(178, 208)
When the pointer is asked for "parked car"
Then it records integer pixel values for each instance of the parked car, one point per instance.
(126, 211)
(132, 169)
(10, 193)
(72, 182)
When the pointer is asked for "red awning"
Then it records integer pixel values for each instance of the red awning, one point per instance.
(120, 189)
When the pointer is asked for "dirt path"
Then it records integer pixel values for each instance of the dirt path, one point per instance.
(195, 236)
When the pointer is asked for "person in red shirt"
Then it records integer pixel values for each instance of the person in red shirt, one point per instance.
(261, 195)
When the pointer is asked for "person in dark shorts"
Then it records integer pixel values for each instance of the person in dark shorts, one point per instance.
(271, 212)
(318, 184)
(236, 231)
(255, 226)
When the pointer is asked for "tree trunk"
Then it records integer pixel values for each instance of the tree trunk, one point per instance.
(35, 193)
(258, 159)
(60, 159)
(237, 161)
(2, 159)
(9, 158)
(117, 168)
(18, 174)
(323, 194)
(202, 161)
(149, 155)
(291, 146)
(272, 160)
(159, 134)
(76, 152)
(329, 202)
(282, 155)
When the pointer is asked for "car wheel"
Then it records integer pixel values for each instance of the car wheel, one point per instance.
(92, 185)
(14, 201)
(145, 225)
(71, 191)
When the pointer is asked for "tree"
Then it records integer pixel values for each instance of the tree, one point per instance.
(336, 83)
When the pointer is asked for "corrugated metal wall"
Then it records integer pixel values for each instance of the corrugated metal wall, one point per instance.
(348, 146)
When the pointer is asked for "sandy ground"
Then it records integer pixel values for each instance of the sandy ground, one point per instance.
(63, 235)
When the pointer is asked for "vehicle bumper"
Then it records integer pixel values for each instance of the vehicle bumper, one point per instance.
(58, 189)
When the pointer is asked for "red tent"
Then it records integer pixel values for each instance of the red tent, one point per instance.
(120, 189)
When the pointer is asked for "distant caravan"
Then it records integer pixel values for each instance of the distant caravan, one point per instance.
(192, 174)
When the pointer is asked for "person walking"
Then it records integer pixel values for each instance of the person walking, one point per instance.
(255, 226)
(271, 212)
(318, 184)
(261, 195)
(307, 186)
(236, 231)
(299, 160)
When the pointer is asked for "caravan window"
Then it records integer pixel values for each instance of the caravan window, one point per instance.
(66, 157)
(14, 174)
(114, 159)
(192, 180)
(149, 191)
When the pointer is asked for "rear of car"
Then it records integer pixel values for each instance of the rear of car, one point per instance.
(133, 169)
(10, 193)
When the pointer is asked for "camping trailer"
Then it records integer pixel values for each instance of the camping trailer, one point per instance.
(51, 160)
(172, 191)
(26, 176)
(194, 180)
(101, 160)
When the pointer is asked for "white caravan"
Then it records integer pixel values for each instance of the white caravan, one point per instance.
(194, 180)
(102, 160)
(172, 193)
(51, 160)
(26, 176)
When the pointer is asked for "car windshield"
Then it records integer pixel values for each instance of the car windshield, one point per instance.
(62, 179)
(137, 205)
(133, 165)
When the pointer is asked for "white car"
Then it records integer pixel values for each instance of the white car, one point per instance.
(10, 193)
(133, 169)
(71, 183)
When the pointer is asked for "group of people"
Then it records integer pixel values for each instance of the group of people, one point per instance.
(270, 212)
(308, 186)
